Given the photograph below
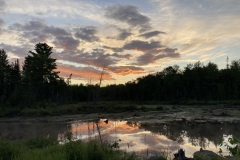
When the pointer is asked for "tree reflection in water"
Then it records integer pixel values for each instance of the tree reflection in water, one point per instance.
(133, 136)
(198, 134)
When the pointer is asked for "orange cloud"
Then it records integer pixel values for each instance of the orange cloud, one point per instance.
(126, 70)
(82, 72)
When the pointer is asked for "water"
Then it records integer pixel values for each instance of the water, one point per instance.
(144, 139)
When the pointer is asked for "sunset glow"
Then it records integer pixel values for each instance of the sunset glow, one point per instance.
(126, 39)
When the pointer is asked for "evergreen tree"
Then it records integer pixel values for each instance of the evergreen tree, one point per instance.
(235, 74)
(4, 76)
(15, 74)
(38, 70)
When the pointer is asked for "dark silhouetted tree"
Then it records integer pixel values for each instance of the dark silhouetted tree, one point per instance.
(4, 76)
(235, 74)
(15, 75)
(38, 70)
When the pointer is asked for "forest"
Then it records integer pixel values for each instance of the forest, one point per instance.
(37, 81)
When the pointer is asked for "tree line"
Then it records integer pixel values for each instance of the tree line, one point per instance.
(38, 81)
(196, 82)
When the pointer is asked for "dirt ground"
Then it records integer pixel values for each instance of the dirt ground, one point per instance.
(154, 114)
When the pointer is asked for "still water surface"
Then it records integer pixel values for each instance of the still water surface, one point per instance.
(144, 139)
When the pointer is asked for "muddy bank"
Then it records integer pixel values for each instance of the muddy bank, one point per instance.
(143, 117)
(164, 114)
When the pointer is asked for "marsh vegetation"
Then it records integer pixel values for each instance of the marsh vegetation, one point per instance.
(47, 149)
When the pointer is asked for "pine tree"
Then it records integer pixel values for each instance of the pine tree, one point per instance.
(38, 70)
(4, 75)
(15, 75)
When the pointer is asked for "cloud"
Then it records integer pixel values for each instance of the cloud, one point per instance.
(37, 31)
(146, 59)
(87, 34)
(1, 22)
(96, 57)
(142, 45)
(152, 51)
(137, 45)
(129, 15)
(213, 8)
(125, 70)
(124, 34)
(151, 34)
(67, 43)
(82, 73)
(152, 56)
(35, 36)
(114, 49)
(2, 6)
(20, 51)
(31, 30)
(55, 31)
(29, 26)
(169, 50)
(117, 55)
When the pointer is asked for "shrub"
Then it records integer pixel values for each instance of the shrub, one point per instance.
(7, 150)
(234, 147)
(39, 143)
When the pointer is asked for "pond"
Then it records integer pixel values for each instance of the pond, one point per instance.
(144, 139)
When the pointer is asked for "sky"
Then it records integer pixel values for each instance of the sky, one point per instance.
(125, 39)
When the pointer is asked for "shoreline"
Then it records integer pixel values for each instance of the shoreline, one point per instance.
(143, 113)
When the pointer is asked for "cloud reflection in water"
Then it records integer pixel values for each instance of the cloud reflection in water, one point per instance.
(134, 138)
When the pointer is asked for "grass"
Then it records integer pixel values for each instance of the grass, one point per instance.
(47, 149)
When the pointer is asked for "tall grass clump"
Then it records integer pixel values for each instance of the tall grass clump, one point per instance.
(39, 142)
(47, 149)
(7, 150)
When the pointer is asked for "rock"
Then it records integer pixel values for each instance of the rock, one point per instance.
(181, 155)
(206, 155)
